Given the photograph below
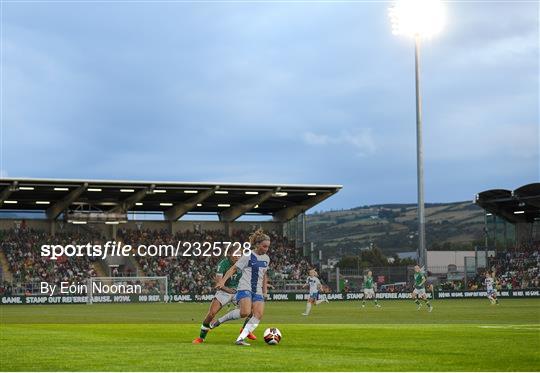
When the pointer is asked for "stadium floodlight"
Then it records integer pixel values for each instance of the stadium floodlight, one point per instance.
(191, 191)
(165, 204)
(420, 19)
(281, 194)
(94, 189)
(59, 189)
(79, 222)
(221, 192)
(138, 203)
(43, 203)
(312, 194)
(11, 202)
(127, 190)
(199, 204)
(519, 212)
(26, 188)
(224, 205)
(252, 193)
(160, 191)
(417, 18)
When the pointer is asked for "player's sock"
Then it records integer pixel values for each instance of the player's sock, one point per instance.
(363, 302)
(233, 315)
(251, 325)
(427, 303)
(204, 330)
(308, 308)
(250, 336)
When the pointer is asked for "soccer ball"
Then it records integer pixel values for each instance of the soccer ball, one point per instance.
(272, 336)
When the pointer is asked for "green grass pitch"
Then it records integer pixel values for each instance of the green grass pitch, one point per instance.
(459, 335)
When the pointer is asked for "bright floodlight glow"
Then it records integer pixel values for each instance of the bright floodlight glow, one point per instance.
(422, 18)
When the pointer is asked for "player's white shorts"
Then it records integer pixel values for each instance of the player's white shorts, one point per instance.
(420, 292)
(369, 293)
(224, 297)
(491, 292)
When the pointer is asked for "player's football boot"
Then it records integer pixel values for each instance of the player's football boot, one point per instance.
(198, 341)
(378, 305)
(430, 308)
(241, 342)
(305, 314)
(250, 335)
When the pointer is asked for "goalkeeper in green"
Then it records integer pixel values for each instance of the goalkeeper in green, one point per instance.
(419, 291)
(369, 290)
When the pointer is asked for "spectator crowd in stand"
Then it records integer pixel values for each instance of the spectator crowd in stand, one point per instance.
(22, 249)
(186, 274)
(196, 274)
(517, 269)
(514, 270)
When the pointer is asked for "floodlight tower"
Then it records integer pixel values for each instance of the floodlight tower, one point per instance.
(420, 19)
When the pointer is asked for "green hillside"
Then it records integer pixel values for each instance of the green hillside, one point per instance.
(393, 228)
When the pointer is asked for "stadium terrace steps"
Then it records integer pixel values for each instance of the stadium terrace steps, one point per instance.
(138, 269)
(100, 269)
(7, 275)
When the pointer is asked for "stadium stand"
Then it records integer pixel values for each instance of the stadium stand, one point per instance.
(195, 275)
(186, 275)
(21, 248)
(517, 269)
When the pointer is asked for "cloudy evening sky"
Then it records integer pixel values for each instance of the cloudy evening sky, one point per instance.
(271, 92)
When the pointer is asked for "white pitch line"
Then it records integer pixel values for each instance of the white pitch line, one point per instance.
(515, 327)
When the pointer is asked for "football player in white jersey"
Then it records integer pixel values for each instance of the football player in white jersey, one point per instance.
(489, 282)
(252, 288)
(315, 286)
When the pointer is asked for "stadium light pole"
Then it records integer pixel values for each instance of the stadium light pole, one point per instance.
(420, 19)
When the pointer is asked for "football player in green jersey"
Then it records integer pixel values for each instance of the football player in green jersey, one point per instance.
(369, 290)
(419, 291)
(223, 296)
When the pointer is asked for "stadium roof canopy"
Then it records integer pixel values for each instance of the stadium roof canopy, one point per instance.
(518, 206)
(174, 199)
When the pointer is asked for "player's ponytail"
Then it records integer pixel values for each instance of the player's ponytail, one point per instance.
(257, 237)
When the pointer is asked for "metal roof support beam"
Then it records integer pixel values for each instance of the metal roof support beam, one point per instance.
(290, 212)
(6, 192)
(234, 212)
(180, 209)
(129, 202)
(55, 210)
